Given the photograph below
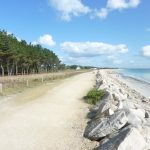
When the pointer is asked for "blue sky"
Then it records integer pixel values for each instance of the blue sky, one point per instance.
(110, 33)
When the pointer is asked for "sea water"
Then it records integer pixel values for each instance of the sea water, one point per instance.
(140, 74)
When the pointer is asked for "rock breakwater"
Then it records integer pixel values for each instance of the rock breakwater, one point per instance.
(121, 120)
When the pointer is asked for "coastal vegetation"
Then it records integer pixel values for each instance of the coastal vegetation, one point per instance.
(94, 96)
(19, 57)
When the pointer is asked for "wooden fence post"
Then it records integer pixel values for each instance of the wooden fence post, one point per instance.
(27, 82)
(1, 88)
(42, 79)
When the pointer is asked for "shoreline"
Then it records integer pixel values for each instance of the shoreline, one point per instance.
(139, 85)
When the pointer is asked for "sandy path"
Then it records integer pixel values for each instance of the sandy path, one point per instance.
(54, 121)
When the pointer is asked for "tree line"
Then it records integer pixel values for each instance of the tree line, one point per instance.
(19, 57)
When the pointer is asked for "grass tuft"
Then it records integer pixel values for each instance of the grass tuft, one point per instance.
(94, 96)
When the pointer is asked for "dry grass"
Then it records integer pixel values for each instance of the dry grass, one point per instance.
(15, 84)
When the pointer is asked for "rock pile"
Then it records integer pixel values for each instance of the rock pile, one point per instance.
(121, 120)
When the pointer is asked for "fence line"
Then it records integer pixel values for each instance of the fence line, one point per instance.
(18, 82)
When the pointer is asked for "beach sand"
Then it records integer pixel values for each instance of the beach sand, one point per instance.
(140, 86)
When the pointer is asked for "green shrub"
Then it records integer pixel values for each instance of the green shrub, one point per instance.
(93, 96)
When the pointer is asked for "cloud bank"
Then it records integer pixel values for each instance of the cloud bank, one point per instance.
(70, 8)
(91, 49)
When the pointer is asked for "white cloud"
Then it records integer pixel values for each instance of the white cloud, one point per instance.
(146, 50)
(117, 61)
(46, 39)
(72, 60)
(122, 4)
(18, 38)
(69, 8)
(34, 43)
(91, 49)
(148, 30)
(102, 13)
(114, 59)
(10, 33)
(117, 5)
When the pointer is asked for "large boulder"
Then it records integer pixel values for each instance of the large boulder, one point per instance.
(127, 139)
(103, 86)
(99, 128)
(105, 109)
(107, 97)
(145, 106)
(104, 105)
(118, 96)
(98, 75)
(128, 103)
(135, 117)
(120, 105)
(146, 134)
(138, 112)
(98, 83)
(147, 114)
(105, 114)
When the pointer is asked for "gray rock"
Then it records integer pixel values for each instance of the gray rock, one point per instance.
(107, 96)
(147, 122)
(119, 96)
(147, 114)
(129, 104)
(127, 139)
(105, 114)
(145, 106)
(105, 109)
(98, 83)
(139, 112)
(98, 75)
(120, 105)
(146, 134)
(135, 117)
(108, 112)
(103, 87)
(99, 128)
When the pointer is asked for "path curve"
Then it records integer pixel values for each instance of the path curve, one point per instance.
(54, 121)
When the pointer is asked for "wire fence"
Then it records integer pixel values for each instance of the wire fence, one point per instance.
(15, 83)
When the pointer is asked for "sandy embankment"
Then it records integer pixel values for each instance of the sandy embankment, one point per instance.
(53, 121)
